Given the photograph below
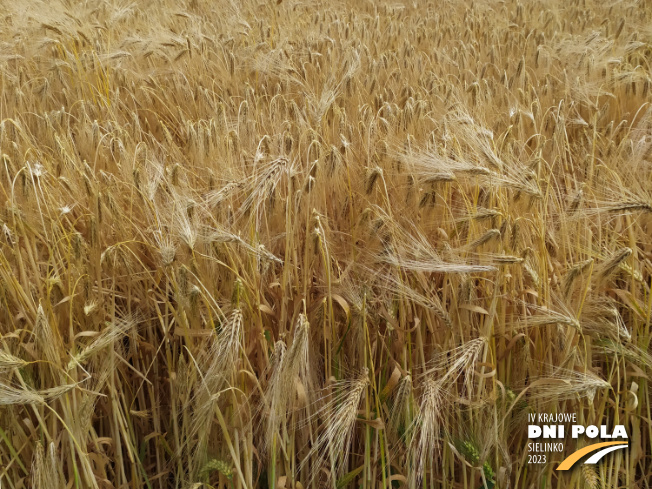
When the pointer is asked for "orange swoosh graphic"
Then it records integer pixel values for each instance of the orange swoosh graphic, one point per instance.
(574, 457)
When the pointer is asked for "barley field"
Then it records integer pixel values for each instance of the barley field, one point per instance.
(305, 244)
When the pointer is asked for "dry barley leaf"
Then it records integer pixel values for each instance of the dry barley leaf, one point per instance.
(391, 382)
(486, 364)
(478, 309)
(64, 300)
(399, 478)
(265, 309)
(86, 334)
(487, 375)
(345, 305)
(154, 434)
(302, 397)
(532, 292)
(511, 344)
(377, 423)
(196, 333)
(636, 372)
(159, 475)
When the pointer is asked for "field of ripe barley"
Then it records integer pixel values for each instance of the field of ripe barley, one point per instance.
(304, 244)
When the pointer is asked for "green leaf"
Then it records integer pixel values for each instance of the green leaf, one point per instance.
(346, 479)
